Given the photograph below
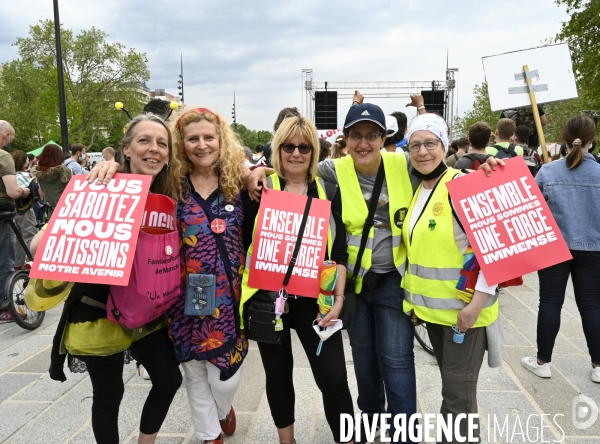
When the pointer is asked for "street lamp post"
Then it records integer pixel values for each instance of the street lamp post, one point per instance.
(62, 103)
(233, 114)
(180, 81)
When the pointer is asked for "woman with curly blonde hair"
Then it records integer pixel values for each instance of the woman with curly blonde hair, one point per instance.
(223, 152)
(204, 323)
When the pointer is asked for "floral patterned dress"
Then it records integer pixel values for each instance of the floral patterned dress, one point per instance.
(215, 338)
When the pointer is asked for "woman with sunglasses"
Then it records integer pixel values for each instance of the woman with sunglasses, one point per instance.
(295, 157)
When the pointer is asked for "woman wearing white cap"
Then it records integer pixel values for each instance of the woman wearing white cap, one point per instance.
(436, 245)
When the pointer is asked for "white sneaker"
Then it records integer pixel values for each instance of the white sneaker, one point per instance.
(531, 364)
(595, 374)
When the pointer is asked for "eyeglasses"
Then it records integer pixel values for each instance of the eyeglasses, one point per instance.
(430, 145)
(357, 137)
(289, 148)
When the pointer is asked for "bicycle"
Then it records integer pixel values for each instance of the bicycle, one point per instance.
(16, 284)
(423, 337)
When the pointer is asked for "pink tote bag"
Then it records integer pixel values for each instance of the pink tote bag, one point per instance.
(155, 282)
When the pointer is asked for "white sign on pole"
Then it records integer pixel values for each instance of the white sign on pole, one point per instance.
(550, 70)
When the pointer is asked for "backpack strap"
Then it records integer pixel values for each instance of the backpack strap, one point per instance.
(330, 189)
(453, 211)
(369, 220)
(475, 158)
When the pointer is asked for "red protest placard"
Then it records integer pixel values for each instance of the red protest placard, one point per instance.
(92, 234)
(277, 227)
(508, 222)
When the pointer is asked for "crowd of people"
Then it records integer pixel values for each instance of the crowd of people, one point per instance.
(386, 180)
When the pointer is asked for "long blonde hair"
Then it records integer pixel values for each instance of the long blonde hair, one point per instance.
(168, 180)
(229, 166)
(296, 126)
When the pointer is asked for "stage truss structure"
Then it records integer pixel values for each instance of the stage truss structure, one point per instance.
(400, 89)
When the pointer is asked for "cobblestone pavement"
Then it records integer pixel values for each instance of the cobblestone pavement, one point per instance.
(35, 409)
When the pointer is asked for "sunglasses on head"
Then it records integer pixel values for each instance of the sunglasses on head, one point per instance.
(289, 148)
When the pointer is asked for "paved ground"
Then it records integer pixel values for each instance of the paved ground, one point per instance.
(35, 409)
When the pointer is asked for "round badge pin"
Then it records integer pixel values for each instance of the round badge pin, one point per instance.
(168, 250)
(437, 209)
(399, 217)
(229, 207)
(218, 226)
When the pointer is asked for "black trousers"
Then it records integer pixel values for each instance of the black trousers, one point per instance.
(584, 269)
(459, 365)
(329, 369)
(155, 353)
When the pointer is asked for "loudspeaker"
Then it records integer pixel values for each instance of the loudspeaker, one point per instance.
(326, 110)
(435, 101)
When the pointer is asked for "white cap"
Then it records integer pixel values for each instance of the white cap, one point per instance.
(391, 125)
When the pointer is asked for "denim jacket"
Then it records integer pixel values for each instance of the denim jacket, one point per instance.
(574, 199)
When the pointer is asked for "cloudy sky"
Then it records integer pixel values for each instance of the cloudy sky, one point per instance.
(259, 48)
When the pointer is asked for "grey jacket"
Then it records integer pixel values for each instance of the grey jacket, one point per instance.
(574, 200)
(53, 182)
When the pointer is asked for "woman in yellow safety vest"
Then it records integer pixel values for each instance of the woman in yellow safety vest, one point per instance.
(295, 157)
(436, 246)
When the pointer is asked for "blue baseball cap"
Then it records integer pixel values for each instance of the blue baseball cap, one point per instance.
(365, 112)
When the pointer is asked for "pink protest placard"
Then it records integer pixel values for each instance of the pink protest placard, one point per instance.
(277, 227)
(92, 234)
(507, 221)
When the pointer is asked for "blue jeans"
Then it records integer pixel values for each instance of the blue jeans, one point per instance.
(7, 255)
(382, 339)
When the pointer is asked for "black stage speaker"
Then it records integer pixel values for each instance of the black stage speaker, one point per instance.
(435, 101)
(326, 110)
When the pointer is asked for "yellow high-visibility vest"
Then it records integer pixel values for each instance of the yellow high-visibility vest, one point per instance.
(435, 262)
(355, 211)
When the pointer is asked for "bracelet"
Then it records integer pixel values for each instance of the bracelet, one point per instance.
(342, 295)
(356, 101)
(419, 108)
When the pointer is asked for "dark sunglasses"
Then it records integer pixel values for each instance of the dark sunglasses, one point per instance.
(289, 148)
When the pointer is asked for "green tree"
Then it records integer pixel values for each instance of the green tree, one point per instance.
(97, 74)
(557, 114)
(263, 137)
(251, 138)
(481, 111)
(582, 33)
(29, 104)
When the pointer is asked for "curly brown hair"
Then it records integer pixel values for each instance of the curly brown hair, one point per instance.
(20, 159)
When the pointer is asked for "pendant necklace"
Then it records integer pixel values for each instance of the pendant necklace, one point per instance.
(301, 192)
